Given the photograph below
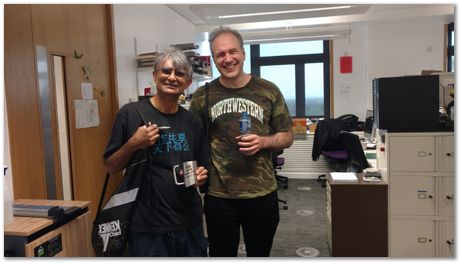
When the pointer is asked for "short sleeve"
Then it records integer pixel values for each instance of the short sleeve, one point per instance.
(119, 134)
(281, 120)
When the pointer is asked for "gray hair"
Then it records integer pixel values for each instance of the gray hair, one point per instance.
(178, 59)
(224, 29)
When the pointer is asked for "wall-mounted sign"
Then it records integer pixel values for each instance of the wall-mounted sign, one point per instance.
(346, 64)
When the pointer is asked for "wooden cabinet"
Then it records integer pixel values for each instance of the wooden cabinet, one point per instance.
(357, 218)
(420, 171)
(37, 237)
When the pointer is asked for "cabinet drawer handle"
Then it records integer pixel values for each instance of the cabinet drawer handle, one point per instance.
(424, 196)
(450, 197)
(449, 154)
(424, 240)
(423, 154)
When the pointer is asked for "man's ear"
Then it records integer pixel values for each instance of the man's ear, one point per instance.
(189, 82)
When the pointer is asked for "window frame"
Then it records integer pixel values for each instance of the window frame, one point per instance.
(299, 61)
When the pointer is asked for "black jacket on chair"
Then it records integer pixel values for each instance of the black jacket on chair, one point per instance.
(327, 137)
(357, 160)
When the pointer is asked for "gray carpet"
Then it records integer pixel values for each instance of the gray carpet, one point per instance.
(302, 228)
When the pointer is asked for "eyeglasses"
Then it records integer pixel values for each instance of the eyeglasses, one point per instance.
(177, 73)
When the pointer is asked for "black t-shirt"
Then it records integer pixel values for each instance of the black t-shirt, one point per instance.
(163, 206)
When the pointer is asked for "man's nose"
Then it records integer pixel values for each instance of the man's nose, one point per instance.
(172, 76)
(228, 57)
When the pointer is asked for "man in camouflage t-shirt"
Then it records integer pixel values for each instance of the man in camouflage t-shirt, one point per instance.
(242, 185)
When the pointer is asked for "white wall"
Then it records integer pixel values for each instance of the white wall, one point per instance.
(384, 49)
(405, 48)
(155, 27)
(379, 49)
(350, 93)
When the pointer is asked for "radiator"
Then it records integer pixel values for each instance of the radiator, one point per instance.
(298, 162)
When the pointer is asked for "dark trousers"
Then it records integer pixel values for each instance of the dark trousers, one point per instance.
(258, 218)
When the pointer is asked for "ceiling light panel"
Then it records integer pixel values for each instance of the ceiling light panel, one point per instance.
(221, 14)
(296, 34)
(287, 11)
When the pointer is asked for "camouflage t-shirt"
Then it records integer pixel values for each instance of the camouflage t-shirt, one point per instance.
(233, 174)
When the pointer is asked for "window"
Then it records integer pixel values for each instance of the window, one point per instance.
(450, 48)
(285, 82)
(301, 72)
(292, 48)
(299, 69)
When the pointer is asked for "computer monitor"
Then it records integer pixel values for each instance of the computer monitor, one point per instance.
(369, 127)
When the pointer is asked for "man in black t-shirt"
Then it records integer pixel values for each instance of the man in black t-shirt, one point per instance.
(167, 220)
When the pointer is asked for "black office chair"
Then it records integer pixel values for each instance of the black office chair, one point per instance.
(350, 122)
(282, 181)
(337, 157)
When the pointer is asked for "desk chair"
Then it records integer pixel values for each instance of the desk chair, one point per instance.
(282, 181)
(326, 142)
(326, 137)
(338, 157)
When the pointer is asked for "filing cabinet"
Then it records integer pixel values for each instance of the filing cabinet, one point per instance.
(446, 157)
(412, 238)
(419, 168)
(411, 195)
(446, 238)
(447, 197)
(412, 154)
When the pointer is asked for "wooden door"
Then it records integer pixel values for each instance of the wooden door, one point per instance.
(70, 31)
(27, 160)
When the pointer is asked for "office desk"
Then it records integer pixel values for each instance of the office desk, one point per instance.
(357, 218)
(36, 236)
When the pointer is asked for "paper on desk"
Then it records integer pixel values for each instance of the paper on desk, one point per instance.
(341, 176)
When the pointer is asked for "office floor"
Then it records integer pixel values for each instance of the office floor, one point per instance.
(302, 228)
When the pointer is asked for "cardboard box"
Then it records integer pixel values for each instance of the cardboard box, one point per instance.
(299, 125)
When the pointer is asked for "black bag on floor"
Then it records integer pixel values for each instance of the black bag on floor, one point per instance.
(112, 224)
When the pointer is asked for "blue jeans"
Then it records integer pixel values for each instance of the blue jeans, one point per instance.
(188, 243)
